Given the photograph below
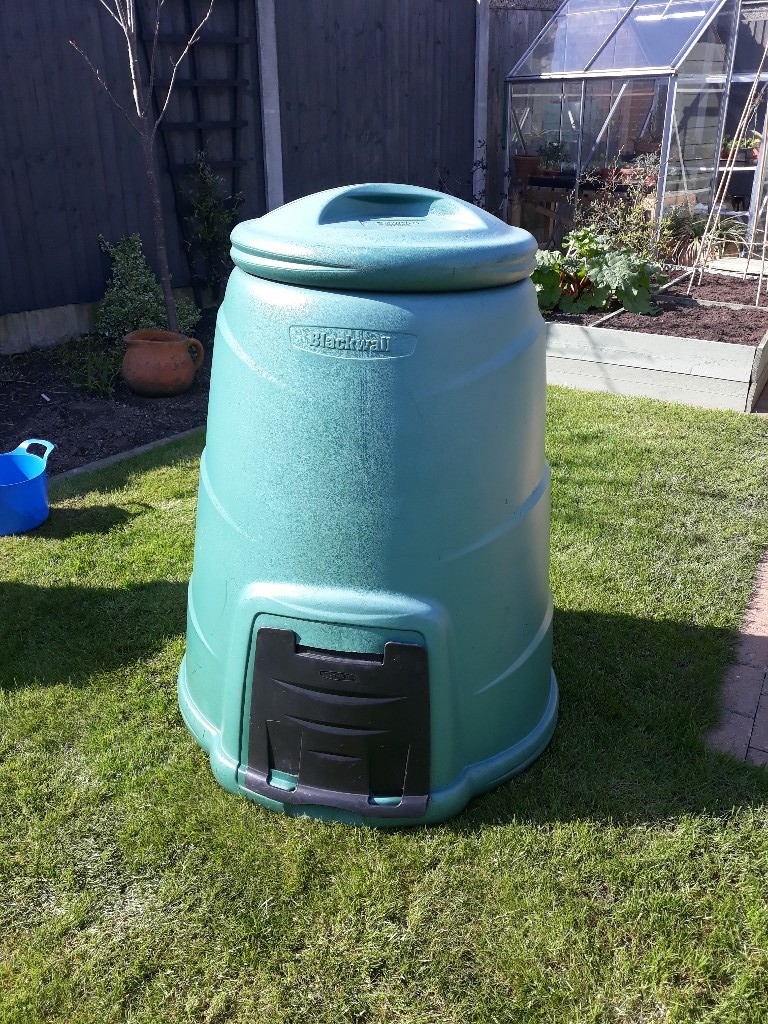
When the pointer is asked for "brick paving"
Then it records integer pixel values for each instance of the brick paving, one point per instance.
(743, 728)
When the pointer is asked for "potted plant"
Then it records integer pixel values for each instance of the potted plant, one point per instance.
(157, 362)
(551, 156)
(144, 119)
(609, 174)
(748, 148)
(686, 233)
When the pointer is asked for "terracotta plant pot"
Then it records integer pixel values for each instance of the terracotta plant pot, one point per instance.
(525, 166)
(647, 146)
(160, 363)
(607, 175)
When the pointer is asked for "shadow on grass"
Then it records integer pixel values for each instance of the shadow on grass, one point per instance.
(637, 696)
(636, 699)
(67, 634)
(73, 522)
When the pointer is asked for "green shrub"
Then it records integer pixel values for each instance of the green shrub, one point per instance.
(591, 273)
(621, 210)
(212, 217)
(133, 300)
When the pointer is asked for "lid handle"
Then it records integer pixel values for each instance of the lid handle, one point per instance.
(397, 206)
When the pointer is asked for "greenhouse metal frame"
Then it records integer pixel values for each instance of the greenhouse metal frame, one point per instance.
(606, 82)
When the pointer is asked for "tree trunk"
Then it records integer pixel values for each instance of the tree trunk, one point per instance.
(159, 225)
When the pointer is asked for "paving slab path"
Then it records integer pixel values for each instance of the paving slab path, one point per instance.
(743, 728)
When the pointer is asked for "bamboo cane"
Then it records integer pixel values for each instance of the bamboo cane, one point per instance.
(710, 228)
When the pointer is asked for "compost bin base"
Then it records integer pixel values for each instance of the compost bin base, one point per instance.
(85, 428)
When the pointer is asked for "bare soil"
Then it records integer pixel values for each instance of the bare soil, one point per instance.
(37, 400)
(721, 288)
(710, 323)
(679, 316)
(582, 319)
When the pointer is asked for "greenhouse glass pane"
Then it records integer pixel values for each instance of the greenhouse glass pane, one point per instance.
(622, 118)
(750, 42)
(545, 123)
(693, 145)
(573, 37)
(537, 112)
(654, 34)
(708, 56)
(744, 162)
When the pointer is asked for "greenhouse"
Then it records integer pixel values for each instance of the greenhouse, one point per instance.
(646, 84)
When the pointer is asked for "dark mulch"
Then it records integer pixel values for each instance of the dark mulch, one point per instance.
(83, 427)
(710, 323)
(721, 288)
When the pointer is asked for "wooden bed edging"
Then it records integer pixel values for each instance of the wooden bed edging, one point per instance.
(709, 374)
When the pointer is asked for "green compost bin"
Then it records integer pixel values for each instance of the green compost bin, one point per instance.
(369, 618)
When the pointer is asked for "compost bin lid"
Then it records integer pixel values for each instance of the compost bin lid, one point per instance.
(382, 237)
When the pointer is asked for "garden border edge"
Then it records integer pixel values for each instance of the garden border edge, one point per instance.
(707, 374)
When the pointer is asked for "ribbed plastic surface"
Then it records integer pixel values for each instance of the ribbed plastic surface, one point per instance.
(374, 472)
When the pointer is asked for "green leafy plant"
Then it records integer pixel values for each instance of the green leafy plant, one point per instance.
(621, 209)
(133, 300)
(91, 364)
(550, 276)
(750, 141)
(590, 273)
(686, 234)
(213, 215)
(627, 278)
(551, 156)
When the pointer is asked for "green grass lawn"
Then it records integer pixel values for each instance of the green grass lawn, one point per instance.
(623, 878)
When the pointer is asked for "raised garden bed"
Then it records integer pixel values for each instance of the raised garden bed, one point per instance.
(38, 400)
(712, 353)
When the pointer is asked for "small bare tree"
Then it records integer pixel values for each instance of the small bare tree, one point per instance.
(143, 118)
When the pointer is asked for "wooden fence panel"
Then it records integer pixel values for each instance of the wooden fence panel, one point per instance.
(369, 90)
(71, 167)
(376, 90)
(74, 165)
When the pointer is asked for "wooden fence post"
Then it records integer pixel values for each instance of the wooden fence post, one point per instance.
(482, 32)
(270, 103)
